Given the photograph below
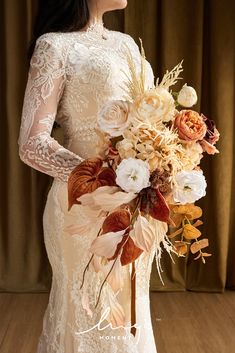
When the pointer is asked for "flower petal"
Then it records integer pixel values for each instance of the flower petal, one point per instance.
(115, 278)
(142, 234)
(116, 315)
(106, 244)
(109, 202)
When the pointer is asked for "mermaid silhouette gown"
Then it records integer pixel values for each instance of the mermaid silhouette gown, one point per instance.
(71, 75)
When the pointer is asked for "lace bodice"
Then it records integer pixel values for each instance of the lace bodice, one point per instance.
(71, 75)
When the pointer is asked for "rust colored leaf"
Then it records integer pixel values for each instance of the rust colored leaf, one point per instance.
(196, 246)
(87, 177)
(130, 252)
(116, 221)
(154, 204)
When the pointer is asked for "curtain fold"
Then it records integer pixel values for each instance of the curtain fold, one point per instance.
(200, 32)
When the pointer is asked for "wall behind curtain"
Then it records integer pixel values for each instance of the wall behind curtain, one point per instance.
(201, 33)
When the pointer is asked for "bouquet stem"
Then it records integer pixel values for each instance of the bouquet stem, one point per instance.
(133, 299)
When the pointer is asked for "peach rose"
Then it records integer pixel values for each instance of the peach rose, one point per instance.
(190, 125)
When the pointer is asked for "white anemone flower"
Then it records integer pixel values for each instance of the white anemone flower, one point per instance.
(133, 175)
(189, 187)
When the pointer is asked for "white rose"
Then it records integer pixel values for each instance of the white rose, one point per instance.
(133, 175)
(155, 105)
(113, 118)
(187, 96)
(189, 187)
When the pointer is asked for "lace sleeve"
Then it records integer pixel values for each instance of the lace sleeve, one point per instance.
(46, 79)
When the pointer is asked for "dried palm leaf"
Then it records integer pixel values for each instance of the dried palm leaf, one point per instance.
(171, 77)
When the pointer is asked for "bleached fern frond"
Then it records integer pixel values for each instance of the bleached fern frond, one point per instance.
(171, 77)
(143, 66)
(135, 83)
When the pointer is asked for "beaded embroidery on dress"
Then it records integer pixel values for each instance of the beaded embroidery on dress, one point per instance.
(71, 76)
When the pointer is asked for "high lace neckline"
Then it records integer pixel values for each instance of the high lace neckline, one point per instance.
(97, 28)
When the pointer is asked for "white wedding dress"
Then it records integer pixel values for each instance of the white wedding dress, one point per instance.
(71, 75)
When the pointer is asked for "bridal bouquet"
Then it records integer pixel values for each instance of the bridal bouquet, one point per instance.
(146, 178)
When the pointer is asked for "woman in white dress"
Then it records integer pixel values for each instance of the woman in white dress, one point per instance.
(76, 66)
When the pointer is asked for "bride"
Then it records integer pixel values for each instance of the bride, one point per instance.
(76, 66)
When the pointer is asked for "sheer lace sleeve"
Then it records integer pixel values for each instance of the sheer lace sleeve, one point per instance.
(46, 79)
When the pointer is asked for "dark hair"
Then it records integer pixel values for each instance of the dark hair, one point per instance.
(59, 16)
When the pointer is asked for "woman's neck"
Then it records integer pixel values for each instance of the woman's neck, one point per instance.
(96, 15)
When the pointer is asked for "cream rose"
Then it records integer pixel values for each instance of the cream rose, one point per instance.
(155, 105)
(193, 152)
(126, 149)
(113, 118)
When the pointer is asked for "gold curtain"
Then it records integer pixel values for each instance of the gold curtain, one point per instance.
(200, 32)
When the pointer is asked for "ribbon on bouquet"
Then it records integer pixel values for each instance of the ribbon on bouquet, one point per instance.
(133, 299)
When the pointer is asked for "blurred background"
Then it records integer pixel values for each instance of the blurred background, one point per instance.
(202, 32)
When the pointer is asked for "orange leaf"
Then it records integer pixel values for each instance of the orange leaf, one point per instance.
(197, 223)
(177, 219)
(87, 177)
(190, 232)
(206, 254)
(198, 256)
(196, 246)
(177, 232)
(189, 210)
(181, 248)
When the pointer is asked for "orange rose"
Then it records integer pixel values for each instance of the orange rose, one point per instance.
(190, 125)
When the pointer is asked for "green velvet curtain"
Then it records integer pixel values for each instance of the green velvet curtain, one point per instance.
(202, 33)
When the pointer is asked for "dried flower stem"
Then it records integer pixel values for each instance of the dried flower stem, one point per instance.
(110, 271)
(132, 218)
(87, 266)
